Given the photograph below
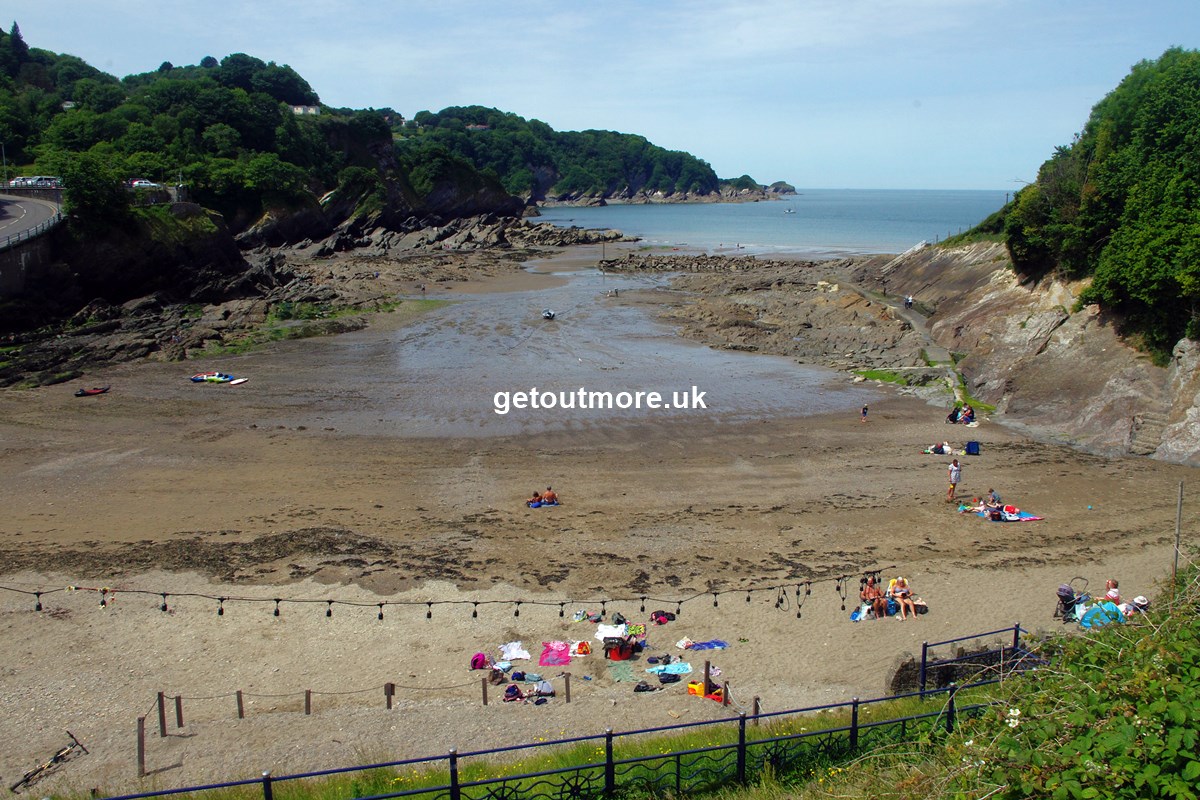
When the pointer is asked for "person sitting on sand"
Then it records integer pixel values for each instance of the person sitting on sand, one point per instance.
(952, 417)
(1112, 592)
(902, 594)
(968, 416)
(549, 497)
(872, 596)
(535, 501)
(977, 505)
(993, 500)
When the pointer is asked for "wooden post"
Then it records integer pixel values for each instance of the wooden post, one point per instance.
(567, 685)
(725, 693)
(307, 702)
(1178, 522)
(162, 714)
(389, 689)
(708, 687)
(141, 747)
(757, 709)
(178, 711)
(483, 683)
(241, 705)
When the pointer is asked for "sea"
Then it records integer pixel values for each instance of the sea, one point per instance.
(817, 223)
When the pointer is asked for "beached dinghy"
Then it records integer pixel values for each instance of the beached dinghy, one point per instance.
(92, 392)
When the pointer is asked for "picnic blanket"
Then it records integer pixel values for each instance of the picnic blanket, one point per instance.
(513, 651)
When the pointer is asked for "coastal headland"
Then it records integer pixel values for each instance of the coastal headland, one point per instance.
(311, 482)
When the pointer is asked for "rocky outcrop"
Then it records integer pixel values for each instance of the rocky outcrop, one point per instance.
(1055, 371)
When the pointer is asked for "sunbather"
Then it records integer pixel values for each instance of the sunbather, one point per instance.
(902, 594)
(872, 596)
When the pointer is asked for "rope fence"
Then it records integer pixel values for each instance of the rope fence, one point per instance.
(788, 595)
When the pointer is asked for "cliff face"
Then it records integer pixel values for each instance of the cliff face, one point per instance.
(1059, 374)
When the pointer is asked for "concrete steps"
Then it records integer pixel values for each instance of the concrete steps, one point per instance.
(1147, 431)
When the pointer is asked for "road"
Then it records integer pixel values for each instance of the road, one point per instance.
(21, 214)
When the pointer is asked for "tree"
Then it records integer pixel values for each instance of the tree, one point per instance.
(208, 62)
(94, 195)
(165, 67)
(17, 46)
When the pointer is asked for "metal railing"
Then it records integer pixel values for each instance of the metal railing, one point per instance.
(1008, 658)
(738, 759)
(30, 233)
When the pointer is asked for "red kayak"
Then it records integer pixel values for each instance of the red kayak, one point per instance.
(95, 390)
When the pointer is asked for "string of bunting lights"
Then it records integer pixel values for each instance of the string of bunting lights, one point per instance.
(783, 598)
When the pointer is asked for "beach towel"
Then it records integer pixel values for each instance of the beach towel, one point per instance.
(675, 668)
(555, 654)
(610, 632)
(513, 650)
(622, 672)
(712, 644)
(635, 629)
(1021, 516)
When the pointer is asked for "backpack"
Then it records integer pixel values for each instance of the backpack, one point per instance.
(618, 619)
(479, 661)
(512, 692)
(972, 448)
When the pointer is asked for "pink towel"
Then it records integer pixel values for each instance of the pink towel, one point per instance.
(555, 654)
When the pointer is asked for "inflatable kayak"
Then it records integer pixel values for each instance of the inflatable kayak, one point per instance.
(211, 377)
(95, 390)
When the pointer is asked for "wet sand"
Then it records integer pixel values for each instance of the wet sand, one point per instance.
(370, 468)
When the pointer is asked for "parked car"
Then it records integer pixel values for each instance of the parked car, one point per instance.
(18, 182)
(45, 181)
(142, 184)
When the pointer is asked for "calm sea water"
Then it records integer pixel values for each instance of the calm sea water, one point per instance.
(825, 222)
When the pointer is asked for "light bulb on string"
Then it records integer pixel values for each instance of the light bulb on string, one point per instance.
(277, 606)
(679, 608)
(104, 598)
(381, 611)
(643, 603)
(163, 607)
(747, 595)
(562, 609)
(517, 609)
(220, 606)
(475, 610)
(329, 608)
(38, 601)
(429, 610)
(714, 599)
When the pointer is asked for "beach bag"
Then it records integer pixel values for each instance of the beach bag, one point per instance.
(972, 448)
(479, 661)
(544, 689)
(512, 692)
(995, 515)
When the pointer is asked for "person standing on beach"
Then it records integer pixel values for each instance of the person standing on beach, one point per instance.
(864, 414)
(955, 473)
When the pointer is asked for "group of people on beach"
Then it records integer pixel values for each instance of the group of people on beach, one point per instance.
(546, 498)
(899, 594)
(961, 415)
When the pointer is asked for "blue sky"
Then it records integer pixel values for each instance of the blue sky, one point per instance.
(919, 94)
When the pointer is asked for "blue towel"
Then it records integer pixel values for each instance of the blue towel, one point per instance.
(677, 668)
(714, 644)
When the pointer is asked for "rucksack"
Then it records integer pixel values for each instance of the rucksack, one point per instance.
(618, 619)
(479, 661)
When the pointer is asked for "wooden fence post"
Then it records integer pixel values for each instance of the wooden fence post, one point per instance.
(162, 714)
(567, 685)
(307, 702)
(483, 683)
(725, 693)
(241, 705)
(757, 710)
(389, 689)
(178, 711)
(141, 747)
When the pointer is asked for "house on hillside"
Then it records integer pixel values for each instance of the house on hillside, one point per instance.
(306, 110)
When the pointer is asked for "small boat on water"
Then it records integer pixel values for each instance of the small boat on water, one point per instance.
(92, 392)
(789, 211)
(212, 377)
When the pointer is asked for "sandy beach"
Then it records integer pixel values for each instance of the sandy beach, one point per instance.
(369, 468)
